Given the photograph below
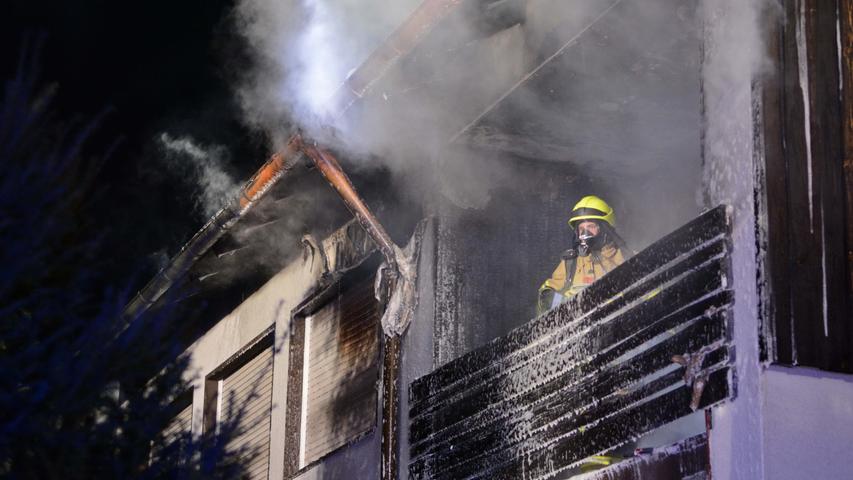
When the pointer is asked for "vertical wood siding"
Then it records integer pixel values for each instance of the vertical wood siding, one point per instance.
(804, 121)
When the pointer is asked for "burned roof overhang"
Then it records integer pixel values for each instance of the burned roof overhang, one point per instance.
(525, 118)
(358, 85)
(265, 240)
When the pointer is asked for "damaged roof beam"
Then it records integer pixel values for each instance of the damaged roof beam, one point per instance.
(334, 174)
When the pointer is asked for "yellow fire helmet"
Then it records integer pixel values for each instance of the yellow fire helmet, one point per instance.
(592, 207)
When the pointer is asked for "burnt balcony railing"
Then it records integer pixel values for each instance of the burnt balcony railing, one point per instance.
(647, 344)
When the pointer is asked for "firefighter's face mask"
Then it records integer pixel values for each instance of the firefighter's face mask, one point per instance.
(588, 230)
(590, 237)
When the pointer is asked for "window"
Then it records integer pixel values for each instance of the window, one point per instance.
(242, 389)
(334, 370)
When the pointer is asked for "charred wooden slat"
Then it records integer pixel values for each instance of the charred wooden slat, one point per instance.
(577, 386)
(562, 351)
(672, 299)
(499, 464)
(512, 437)
(826, 143)
(588, 376)
(805, 233)
(391, 355)
(507, 393)
(777, 331)
(579, 377)
(687, 459)
(568, 424)
(597, 395)
(562, 321)
(609, 433)
(706, 227)
(835, 329)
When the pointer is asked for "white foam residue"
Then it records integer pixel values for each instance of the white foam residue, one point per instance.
(802, 59)
(840, 50)
(734, 57)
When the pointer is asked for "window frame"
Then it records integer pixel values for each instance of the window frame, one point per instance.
(330, 288)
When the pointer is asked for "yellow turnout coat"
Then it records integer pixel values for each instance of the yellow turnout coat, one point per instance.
(587, 269)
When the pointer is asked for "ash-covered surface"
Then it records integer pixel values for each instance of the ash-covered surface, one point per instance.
(590, 375)
(685, 460)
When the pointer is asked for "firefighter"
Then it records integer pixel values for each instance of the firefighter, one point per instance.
(596, 250)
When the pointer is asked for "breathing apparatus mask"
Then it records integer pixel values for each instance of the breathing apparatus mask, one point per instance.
(591, 236)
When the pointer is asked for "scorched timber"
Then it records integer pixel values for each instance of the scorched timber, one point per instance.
(588, 383)
(586, 352)
(590, 375)
(710, 225)
(573, 341)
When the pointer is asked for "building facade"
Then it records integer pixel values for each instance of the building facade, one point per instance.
(721, 133)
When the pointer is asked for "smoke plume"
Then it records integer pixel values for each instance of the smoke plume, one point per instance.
(301, 52)
(205, 167)
(611, 90)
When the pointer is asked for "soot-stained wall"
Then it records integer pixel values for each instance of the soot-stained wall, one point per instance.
(491, 261)
(614, 110)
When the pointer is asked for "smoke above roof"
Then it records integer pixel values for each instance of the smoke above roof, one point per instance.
(302, 51)
(611, 89)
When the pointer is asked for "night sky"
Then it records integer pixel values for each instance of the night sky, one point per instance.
(154, 66)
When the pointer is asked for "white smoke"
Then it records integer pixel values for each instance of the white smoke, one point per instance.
(627, 110)
(736, 56)
(206, 167)
(302, 51)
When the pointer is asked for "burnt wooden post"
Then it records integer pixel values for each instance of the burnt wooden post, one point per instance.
(846, 35)
(390, 406)
(806, 146)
